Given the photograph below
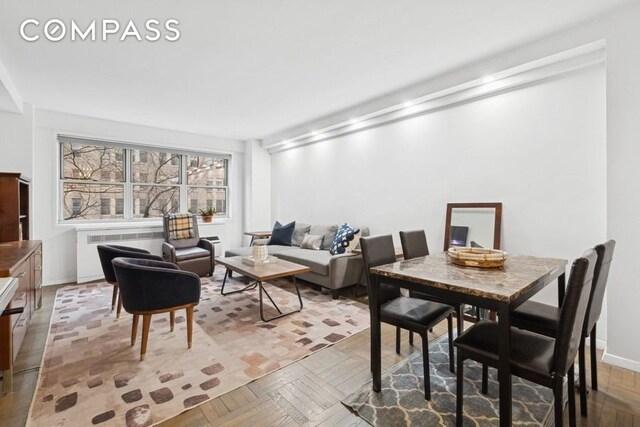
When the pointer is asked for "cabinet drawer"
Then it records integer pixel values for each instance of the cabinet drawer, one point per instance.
(19, 331)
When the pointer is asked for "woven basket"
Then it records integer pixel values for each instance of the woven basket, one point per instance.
(477, 257)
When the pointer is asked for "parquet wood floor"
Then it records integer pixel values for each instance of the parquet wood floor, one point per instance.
(308, 392)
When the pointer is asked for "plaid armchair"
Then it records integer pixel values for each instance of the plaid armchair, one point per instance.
(184, 247)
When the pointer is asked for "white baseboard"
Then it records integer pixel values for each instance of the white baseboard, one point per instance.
(601, 344)
(59, 281)
(621, 362)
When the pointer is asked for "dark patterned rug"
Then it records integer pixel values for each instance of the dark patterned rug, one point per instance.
(401, 401)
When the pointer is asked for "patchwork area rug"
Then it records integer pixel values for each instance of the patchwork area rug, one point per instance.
(90, 374)
(401, 400)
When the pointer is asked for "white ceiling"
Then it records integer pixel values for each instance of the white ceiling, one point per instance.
(250, 68)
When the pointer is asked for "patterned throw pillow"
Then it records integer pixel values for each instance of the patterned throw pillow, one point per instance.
(311, 242)
(343, 238)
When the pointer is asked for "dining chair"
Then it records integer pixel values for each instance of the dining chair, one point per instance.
(108, 253)
(535, 357)
(544, 319)
(414, 245)
(149, 287)
(413, 314)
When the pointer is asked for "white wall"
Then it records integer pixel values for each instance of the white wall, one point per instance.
(540, 150)
(16, 141)
(257, 191)
(59, 241)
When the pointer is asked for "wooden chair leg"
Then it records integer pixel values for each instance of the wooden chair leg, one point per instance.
(189, 325)
(582, 372)
(397, 340)
(485, 378)
(134, 329)
(572, 396)
(172, 319)
(594, 361)
(114, 297)
(410, 337)
(425, 362)
(459, 389)
(558, 404)
(119, 309)
(146, 323)
(452, 363)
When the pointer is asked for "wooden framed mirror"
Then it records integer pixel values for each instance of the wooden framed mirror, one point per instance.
(473, 224)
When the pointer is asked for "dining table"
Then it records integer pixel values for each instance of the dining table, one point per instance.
(498, 289)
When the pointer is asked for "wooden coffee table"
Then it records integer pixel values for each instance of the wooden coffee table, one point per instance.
(261, 274)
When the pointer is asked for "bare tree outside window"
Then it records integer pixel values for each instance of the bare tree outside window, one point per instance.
(105, 181)
(86, 164)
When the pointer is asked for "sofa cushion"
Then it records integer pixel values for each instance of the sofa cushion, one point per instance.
(247, 251)
(317, 261)
(298, 233)
(282, 234)
(328, 231)
(343, 239)
(191, 253)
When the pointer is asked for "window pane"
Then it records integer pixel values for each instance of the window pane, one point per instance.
(86, 201)
(154, 167)
(150, 201)
(206, 170)
(202, 198)
(92, 162)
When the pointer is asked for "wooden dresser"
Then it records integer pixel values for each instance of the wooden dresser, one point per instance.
(23, 261)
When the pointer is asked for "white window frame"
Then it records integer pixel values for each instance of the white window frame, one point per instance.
(128, 183)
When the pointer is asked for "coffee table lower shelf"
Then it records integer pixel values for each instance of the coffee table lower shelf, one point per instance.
(260, 274)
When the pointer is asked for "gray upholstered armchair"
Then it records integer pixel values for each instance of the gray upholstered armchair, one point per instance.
(191, 254)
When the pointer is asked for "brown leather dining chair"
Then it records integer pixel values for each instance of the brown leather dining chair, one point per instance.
(107, 254)
(414, 245)
(540, 359)
(189, 252)
(413, 314)
(544, 319)
(149, 287)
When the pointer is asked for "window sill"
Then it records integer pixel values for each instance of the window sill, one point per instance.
(132, 224)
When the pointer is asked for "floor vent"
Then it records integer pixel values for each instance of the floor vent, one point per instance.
(105, 238)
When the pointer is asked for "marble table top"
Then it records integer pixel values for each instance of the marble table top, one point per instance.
(519, 274)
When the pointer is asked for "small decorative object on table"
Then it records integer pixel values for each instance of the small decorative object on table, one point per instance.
(477, 257)
(207, 214)
(250, 260)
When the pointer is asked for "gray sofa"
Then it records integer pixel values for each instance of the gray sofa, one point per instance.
(333, 272)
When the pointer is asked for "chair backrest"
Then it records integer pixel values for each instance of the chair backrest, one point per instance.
(414, 244)
(600, 278)
(573, 311)
(379, 250)
(181, 243)
(108, 252)
(147, 285)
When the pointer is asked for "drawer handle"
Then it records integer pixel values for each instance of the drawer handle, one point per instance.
(24, 273)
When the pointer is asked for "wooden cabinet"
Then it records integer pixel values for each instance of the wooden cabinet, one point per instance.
(23, 261)
(15, 214)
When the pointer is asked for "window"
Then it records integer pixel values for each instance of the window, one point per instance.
(144, 182)
(207, 182)
(105, 206)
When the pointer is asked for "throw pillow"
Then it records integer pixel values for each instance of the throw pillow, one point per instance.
(282, 234)
(299, 232)
(311, 242)
(343, 238)
(355, 243)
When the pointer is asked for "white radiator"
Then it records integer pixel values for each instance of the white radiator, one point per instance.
(149, 238)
